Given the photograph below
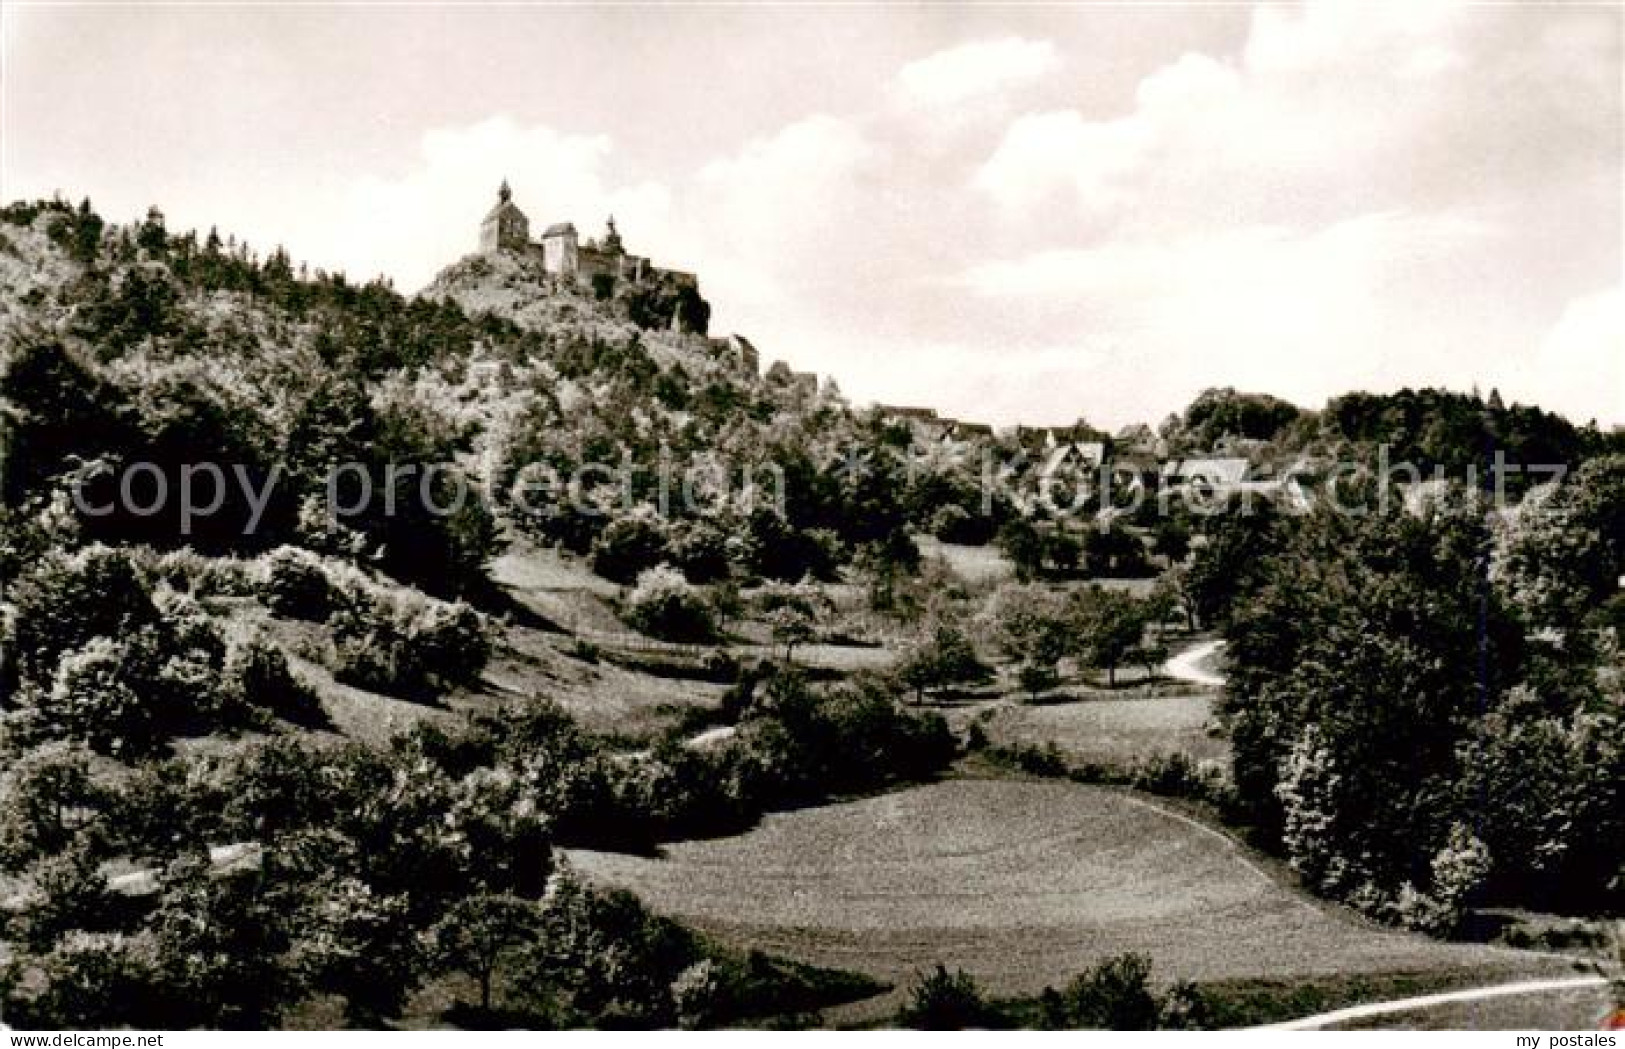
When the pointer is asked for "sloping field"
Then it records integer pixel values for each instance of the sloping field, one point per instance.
(1114, 731)
(1022, 884)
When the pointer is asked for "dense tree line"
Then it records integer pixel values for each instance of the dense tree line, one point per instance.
(1425, 705)
(367, 870)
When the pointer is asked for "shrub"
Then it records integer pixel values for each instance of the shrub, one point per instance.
(944, 1001)
(68, 891)
(295, 585)
(90, 981)
(258, 677)
(189, 572)
(49, 801)
(407, 646)
(628, 547)
(700, 549)
(96, 695)
(666, 606)
(950, 523)
(68, 599)
(1175, 775)
(1115, 996)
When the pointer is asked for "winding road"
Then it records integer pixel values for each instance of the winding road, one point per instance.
(1187, 665)
(1427, 1001)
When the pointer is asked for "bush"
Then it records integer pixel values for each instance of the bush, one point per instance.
(96, 695)
(295, 585)
(1175, 775)
(258, 677)
(407, 646)
(189, 572)
(91, 982)
(944, 1001)
(1114, 996)
(629, 546)
(68, 599)
(127, 670)
(49, 801)
(665, 605)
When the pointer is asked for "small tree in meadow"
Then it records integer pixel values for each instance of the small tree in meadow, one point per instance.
(946, 657)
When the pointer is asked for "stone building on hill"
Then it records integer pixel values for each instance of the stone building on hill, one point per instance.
(505, 227)
(562, 253)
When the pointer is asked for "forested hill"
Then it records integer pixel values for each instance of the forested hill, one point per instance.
(133, 344)
(127, 344)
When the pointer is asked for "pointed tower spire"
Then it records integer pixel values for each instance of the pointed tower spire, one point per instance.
(504, 194)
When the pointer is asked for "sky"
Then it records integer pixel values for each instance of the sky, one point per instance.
(1009, 214)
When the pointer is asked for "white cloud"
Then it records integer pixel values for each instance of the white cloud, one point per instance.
(410, 225)
(1343, 203)
(975, 69)
(1049, 152)
(1298, 312)
(1331, 109)
(1580, 365)
(1365, 196)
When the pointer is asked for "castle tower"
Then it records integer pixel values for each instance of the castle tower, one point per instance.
(612, 239)
(560, 250)
(505, 227)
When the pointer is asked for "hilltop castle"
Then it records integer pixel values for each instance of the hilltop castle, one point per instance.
(506, 228)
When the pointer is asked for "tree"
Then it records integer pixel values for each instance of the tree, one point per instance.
(1361, 670)
(1061, 550)
(1459, 870)
(943, 658)
(257, 676)
(1171, 538)
(1170, 594)
(47, 801)
(99, 694)
(221, 947)
(1107, 626)
(1112, 550)
(68, 599)
(57, 410)
(1019, 541)
(480, 935)
(1228, 564)
(726, 605)
(1037, 678)
(792, 613)
(358, 944)
(1027, 624)
(629, 546)
(504, 836)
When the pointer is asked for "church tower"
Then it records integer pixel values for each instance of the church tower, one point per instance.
(505, 227)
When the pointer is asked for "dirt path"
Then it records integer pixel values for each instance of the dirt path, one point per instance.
(1187, 665)
(1372, 1010)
